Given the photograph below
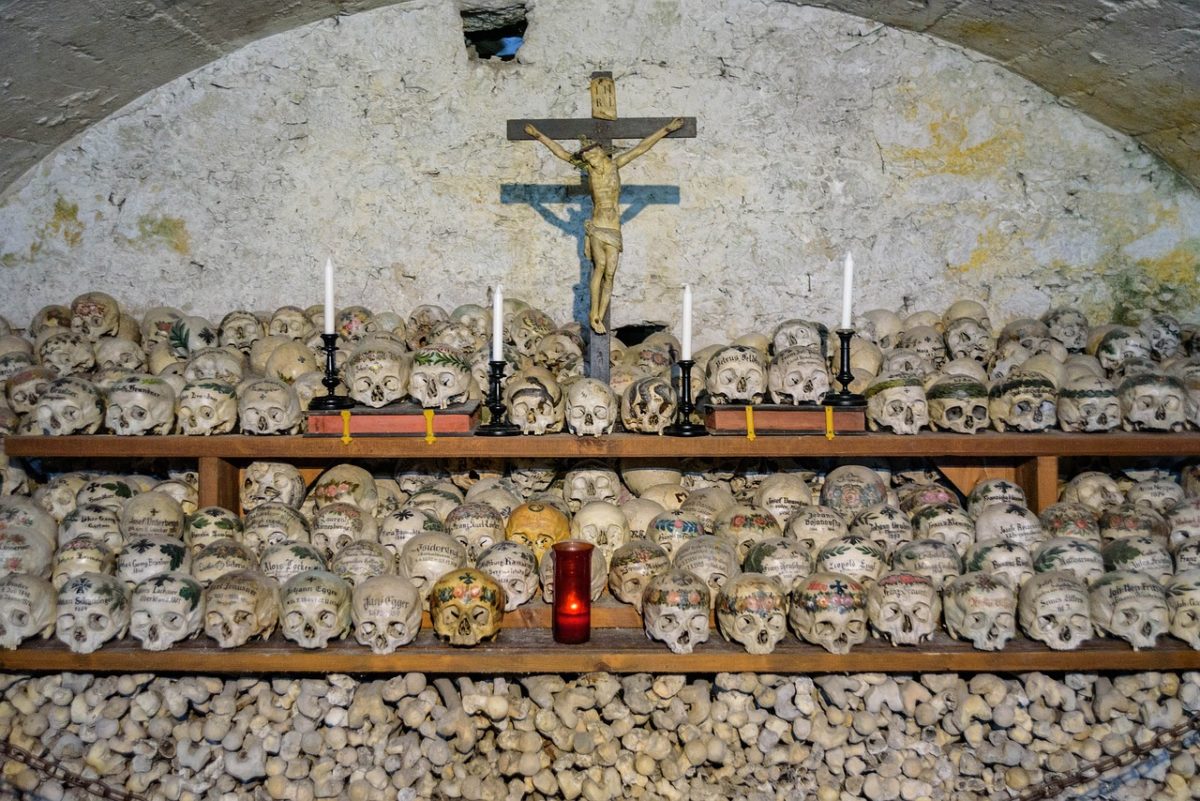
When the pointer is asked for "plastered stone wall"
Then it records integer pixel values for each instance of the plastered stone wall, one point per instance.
(377, 139)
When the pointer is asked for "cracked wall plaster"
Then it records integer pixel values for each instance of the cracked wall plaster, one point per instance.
(376, 139)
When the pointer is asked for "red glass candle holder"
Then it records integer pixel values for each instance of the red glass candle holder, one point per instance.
(572, 591)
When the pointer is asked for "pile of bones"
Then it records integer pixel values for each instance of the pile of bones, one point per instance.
(832, 553)
(89, 367)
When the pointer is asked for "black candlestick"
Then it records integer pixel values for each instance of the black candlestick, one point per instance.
(330, 402)
(683, 425)
(497, 426)
(844, 377)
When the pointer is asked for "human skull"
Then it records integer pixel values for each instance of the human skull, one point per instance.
(784, 559)
(603, 525)
(1088, 403)
(271, 482)
(290, 360)
(881, 326)
(268, 406)
(1184, 521)
(829, 610)
(93, 608)
(598, 572)
(856, 557)
(1053, 609)
(23, 550)
(736, 374)
(926, 341)
(1069, 326)
(386, 613)
(475, 317)
(1077, 556)
(1008, 561)
(156, 325)
(1132, 520)
(66, 353)
(220, 557)
(290, 322)
(166, 609)
(377, 376)
(352, 323)
(591, 408)
(1130, 605)
(73, 558)
(360, 560)
(743, 525)
(933, 558)
(648, 405)
(1071, 519)
(286, 559)
(466, 607)
(561, 353)
(206, 408)
(400, 526)
(1098, 491)
(965, 338)
(884, 525)
(440, 498)
(535, 401)
(1009, 521)
(18, 362)
(114, 353)
(991, 492)
(538, 526)
(1154, 402)
(851, 489)
(440, 378)
(904, 607)
(798, 375)
(1143, 554)
(711, 558)
(1163, 332)
(1023, 402)
(896, 402)
(631, 568)
(1183, 604)
(814, 526)
(751, 610)
(904, 360)
(526, 328)
(957, 403)
(477, 526)
(336, 525)
(222, 365)
(95, 315)
(27, 608)
(671, 529)
(981, 609)
(240, 330)
(675, 609)
(316, 608)
(70, 405)
(1160, 494)
(190, 334)
(783, 494)
(429, 556)
(140, 404)
(241, 605)
(270, 524)
(57, 496)
(47, 319)
(515, 569)
(798, 333)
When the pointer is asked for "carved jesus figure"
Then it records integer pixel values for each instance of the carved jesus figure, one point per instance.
(602, 233)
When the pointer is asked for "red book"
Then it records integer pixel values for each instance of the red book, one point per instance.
(777, 419)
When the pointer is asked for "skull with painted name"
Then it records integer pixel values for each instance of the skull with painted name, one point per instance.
(205, 408)
(268, 406)
(933, 558)
(1008, 561)
(675, 609)
(241, 605)
(66, 353)
(286, 559)
(981, 609)
(386, 613)
(70, 405)
(27, 608)
(1130, 605)
(315, 608)
(1077, 556)
(904, 607)
(429, 556)
(743, 525)
(829, 610)
(140, 404)
(648, 405)
(477, 526)
(93, 608)
(751, 610)
(711, 558)
(1053, 609)
(1183, 604)
(798, 375)
(1088, 403)
(514, 567)
(736, 374)
(166, 609)
(220, 557)
(466, 607)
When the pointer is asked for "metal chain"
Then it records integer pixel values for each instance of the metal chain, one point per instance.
(1170, 740)
(54, 770)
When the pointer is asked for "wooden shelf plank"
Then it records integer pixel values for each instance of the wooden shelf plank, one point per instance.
(611, 650)
(979, 446)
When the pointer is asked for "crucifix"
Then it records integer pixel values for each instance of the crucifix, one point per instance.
(601, 165)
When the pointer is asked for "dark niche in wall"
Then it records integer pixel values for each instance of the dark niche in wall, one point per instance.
(496, 32)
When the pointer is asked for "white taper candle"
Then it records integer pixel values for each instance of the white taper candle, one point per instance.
(498, 323)
(847, 284)
(328, 296)
(687, 322)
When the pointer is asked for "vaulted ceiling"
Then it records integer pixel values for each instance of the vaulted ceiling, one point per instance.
(1132, 64)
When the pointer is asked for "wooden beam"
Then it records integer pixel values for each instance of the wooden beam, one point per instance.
(623, 128)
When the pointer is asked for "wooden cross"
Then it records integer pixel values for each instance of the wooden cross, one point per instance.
(603, 127)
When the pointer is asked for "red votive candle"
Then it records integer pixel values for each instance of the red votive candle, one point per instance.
(572, 591)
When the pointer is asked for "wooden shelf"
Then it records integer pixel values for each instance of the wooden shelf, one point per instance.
(518, 651)
(985, 445)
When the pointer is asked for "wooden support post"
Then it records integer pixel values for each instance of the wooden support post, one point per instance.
(219, 483)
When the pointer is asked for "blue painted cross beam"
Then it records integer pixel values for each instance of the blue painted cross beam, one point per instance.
(601, 162)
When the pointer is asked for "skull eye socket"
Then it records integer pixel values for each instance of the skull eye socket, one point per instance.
(327, 619)
(97, 621)
(294, 619)
(19, 618)
(366, 628)
(446, 379)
